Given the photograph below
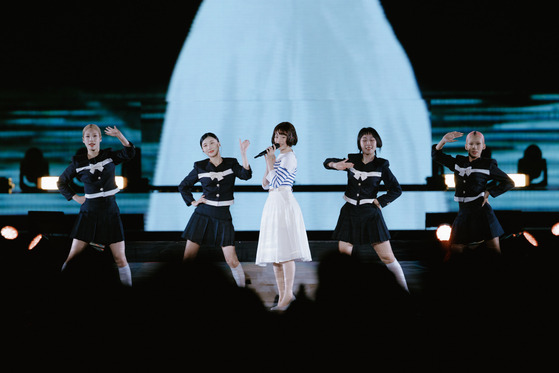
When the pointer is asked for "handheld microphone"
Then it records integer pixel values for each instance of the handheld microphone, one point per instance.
(264, 152)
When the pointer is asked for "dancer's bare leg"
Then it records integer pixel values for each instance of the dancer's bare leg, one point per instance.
(77, 247)
(289, 280)
(230, 256)
(118, 251)
(190, 251)
(285, 278)
(494, 245)
(384, 251)
(236, 268)
(280, 280)
(345, 247)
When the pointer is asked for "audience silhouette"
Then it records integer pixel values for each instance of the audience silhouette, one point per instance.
(476, 309)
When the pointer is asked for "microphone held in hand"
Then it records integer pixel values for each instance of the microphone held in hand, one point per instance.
(264, 152)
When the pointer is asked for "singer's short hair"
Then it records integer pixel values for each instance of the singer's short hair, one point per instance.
(287, 129)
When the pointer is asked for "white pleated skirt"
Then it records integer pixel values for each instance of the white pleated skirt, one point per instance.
(283, 236)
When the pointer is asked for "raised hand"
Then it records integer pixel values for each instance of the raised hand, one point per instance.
(115, 132)
(244, 146)
(452, 136)
(112, 131)
(449, 137)
(270, 157)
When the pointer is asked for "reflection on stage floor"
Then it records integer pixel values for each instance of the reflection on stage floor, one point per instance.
(262, 281)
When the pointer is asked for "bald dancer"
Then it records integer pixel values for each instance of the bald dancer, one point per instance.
(476, 178)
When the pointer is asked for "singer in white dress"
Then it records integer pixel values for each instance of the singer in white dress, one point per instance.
(283, 236)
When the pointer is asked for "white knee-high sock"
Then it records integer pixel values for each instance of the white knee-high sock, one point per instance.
(396, 269)
(125, 275)
(239, 275)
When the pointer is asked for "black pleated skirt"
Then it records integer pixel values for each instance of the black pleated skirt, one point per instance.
(360, 225)
(99, 221)
(475, 223)
(210, 226)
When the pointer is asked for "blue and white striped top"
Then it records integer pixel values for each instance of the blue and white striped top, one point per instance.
(283, 174)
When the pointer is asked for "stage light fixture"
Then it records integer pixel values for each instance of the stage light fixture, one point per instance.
(49, 182)
(555, 229)
(121, 182)
(35, 241)
(443, 232)
(449, 180)
(520, 180)
(9, 232)
(530, 238)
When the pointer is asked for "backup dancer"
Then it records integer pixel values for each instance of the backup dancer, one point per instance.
(99, 219)
(476, 178)
(283, 236)
(360, 220)
(211, 223)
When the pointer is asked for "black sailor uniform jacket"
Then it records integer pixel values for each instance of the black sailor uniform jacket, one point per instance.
(472, 179)
(97, 174)
(218, 183)
(363, 180)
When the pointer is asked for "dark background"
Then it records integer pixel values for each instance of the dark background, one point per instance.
(132, 46)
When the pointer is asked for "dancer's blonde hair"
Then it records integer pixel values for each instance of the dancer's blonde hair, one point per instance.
(91, 126)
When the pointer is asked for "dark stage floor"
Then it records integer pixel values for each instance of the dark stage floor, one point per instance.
(146, 257)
